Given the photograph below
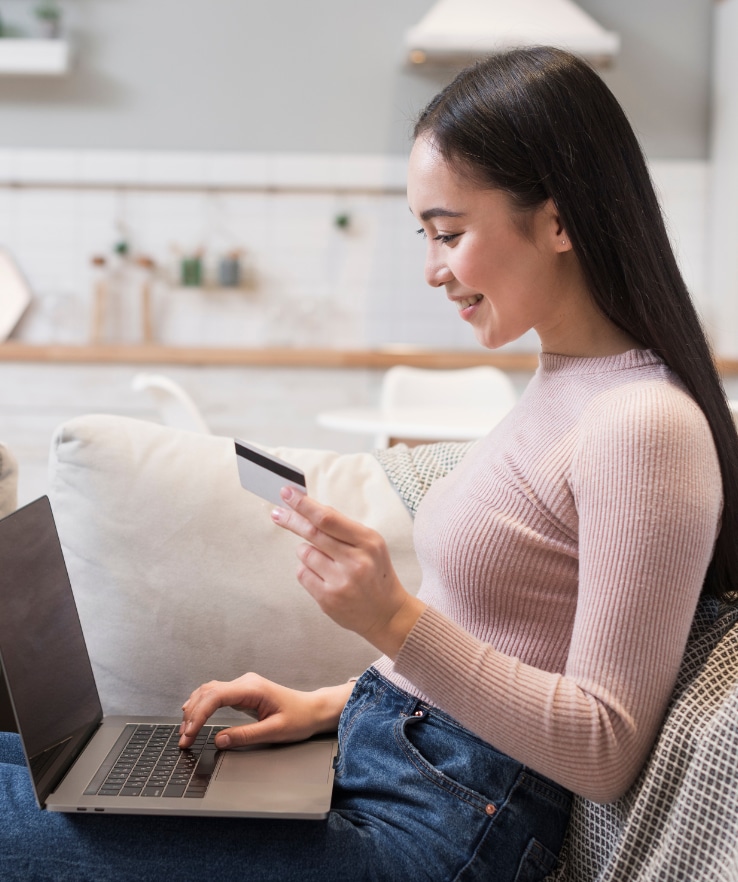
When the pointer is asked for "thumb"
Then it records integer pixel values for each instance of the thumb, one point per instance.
(259, 732)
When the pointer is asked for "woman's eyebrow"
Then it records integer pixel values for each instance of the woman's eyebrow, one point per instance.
(430, 213)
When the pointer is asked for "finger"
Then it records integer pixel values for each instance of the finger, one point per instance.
(317, 562)
(323, 518)
(267, 731)
(326, 519)
(204, 701)
(304, 529)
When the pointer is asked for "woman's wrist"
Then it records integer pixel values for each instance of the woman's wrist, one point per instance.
(328, 703)
(391, 637)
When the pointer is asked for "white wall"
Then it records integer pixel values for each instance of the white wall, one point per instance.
(722, 229)
(281, 75)
(312, 283)
(163, 87)
(324, 76)
(662, 74)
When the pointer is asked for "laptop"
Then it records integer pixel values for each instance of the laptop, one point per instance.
(80, 761)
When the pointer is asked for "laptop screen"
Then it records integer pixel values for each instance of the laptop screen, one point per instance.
(42, 648)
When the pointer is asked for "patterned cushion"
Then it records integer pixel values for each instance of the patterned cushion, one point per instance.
(412, 470)
(679, 821)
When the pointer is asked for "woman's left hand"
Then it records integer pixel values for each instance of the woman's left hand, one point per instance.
(346, 568)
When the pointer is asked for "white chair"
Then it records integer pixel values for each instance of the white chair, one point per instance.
(448, 393)
(176, 407)
(733, 405)
(15, 295)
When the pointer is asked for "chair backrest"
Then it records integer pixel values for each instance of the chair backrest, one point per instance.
(175, 405)
(464, 387)
(733, 405)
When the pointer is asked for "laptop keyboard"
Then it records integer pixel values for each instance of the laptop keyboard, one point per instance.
(147, 761)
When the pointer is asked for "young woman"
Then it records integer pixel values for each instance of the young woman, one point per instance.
(562, 559)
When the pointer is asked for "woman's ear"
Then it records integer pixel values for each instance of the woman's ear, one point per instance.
(563, 243)
(555, 228)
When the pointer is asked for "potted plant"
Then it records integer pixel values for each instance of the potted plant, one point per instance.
(49, 14)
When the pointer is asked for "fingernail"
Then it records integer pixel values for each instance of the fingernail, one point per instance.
(277, 514)
(286, 493)
(223, 741)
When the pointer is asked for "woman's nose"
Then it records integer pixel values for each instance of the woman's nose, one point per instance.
(436, 271)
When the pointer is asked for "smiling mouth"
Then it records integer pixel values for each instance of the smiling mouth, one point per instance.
(468, 301)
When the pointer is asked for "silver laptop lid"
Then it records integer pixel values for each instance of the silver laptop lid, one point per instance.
(42, 649)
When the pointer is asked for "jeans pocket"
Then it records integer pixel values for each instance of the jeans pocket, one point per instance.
(457, 761)
(536, 864)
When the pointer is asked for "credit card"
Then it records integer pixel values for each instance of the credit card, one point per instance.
(264, 474)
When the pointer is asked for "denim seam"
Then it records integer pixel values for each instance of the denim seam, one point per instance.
(476, 800)
(549, 792)
(355, 716)
(486, 831)
(368, 704)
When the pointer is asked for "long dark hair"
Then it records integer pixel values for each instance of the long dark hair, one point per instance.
(540, 124)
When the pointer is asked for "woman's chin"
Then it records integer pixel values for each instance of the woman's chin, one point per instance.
(491, 340)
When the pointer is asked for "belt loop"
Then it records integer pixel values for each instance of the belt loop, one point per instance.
(413, 708)
(410, 707)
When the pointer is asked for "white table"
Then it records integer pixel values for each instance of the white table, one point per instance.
(415, 423)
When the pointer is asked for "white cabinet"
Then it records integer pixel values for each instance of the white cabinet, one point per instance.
(27, 57)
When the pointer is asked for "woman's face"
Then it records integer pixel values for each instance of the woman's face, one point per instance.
(502, 280)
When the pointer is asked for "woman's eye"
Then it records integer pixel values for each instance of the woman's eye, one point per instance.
(443, 238)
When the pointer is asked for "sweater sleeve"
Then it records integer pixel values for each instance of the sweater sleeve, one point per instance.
(646, 483)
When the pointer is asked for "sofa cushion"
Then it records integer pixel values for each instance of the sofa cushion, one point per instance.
(179, 574)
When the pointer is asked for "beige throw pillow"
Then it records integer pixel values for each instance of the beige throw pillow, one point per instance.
(179, 574)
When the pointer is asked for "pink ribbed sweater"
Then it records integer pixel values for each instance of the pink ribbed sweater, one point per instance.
(562, 562)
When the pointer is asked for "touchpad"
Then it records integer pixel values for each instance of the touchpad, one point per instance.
(309, 762)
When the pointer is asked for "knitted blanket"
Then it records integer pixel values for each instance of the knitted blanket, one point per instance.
(679, 820)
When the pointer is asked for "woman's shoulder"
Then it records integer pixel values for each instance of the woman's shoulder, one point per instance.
(653, 412)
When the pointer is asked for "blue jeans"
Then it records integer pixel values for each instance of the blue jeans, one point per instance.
(416, 797)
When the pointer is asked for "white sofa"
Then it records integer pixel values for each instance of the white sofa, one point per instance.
(180, 576)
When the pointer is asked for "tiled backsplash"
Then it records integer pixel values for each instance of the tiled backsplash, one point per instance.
(331, 256)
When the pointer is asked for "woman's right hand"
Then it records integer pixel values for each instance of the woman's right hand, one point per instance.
(282, 714)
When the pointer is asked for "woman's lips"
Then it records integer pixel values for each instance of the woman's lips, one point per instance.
(466, 305)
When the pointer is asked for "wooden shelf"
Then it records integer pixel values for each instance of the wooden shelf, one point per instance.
(269, 357)
(279, 356)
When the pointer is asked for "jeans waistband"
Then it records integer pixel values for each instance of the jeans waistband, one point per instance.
(406, 704)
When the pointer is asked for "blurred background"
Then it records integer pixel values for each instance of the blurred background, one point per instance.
(215, 190)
